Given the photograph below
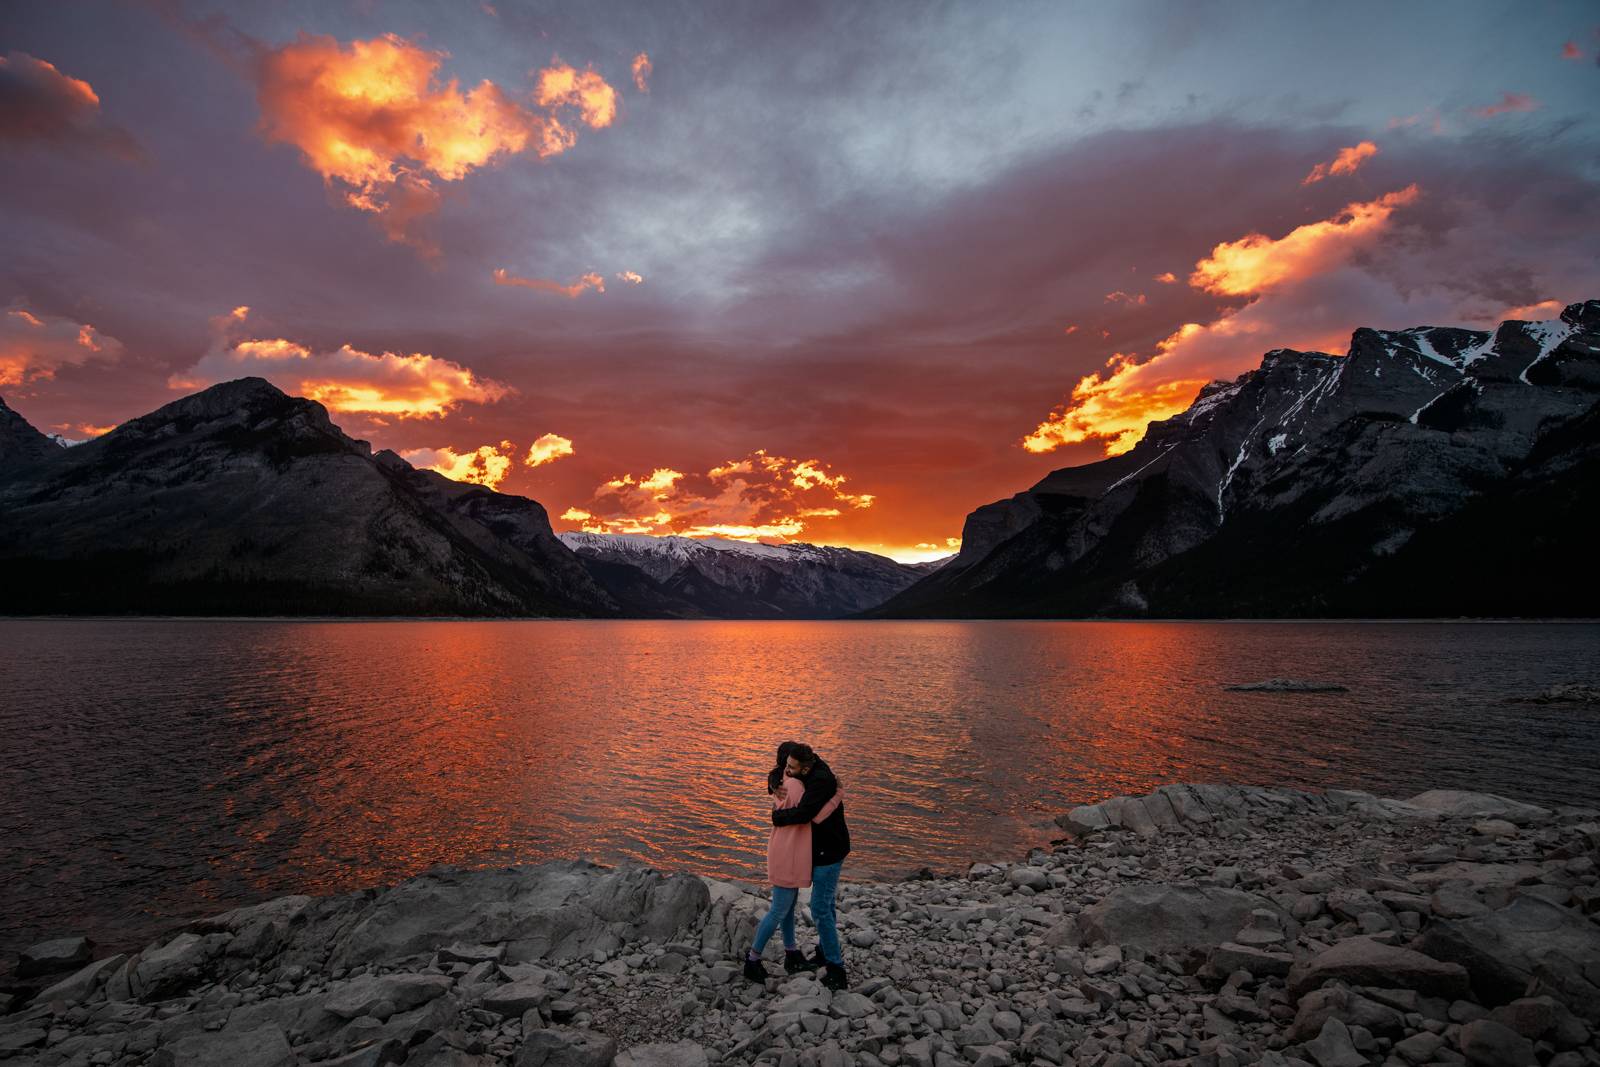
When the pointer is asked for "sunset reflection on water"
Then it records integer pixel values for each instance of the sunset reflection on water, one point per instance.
(162, 769)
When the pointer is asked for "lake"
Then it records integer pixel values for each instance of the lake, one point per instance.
(154, 770)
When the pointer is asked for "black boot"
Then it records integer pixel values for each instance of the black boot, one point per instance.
(794, 961)
(816, 959)
(754, 971)
(833, 977)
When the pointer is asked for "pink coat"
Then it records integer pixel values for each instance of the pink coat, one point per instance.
(789, 848)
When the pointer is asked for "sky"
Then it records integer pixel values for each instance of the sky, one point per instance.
(833, 273)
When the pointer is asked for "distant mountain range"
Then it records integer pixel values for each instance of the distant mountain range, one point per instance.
(244, 500)
(688, 577)
(1429, 472)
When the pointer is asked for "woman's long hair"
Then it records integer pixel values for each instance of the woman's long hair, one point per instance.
(775, 776)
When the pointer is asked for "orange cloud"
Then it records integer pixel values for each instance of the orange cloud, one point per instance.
(415, 385)
(548, 449)
(1544, 309)
(1070, 330)
(591, 280)
(484, 465)
(1116, 405)
(87, 429)
(1256, 262)
(1166, 278)
(1570, 50)
(1508, 102)
(631, 277)
(33, 347)
(1431, 116)
(1120, 297)
(762, 497)
(373, 117)
(1347, 161)
(642, 69)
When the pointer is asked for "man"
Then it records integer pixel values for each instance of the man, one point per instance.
(830, 844)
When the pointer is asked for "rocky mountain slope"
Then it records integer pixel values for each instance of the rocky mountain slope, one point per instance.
(686, 577)
(1430, 471)
(243, 500)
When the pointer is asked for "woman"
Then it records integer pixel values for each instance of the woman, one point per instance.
(788, 869)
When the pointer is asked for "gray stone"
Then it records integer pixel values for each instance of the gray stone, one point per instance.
(1333, 1047)
(1504, 949)
(1349, 1007)
(402, 992)
(1486, 1043)
(1458, 803)
(514, 998)
(675, 1054)
(1479, 875)
(175, 966)
(84, 984)
(54, 956)
(1418, 1048)
(1159, 917)
(1364, 961)
(265, 1046)
(566, 1047)
(377, 1054)
(1229, 957)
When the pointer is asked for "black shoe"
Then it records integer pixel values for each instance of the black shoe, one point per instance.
(833, 977)
(816, 959)
(754, 971)
(794, 961)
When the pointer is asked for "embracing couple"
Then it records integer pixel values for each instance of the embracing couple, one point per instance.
(809, 843)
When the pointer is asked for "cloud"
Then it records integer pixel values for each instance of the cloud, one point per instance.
(642, 69)
(631, 277)
(1295, 306)
(1256, 262)
(1508, 102)
(1346, 161)
(38, 103)
(33, 346)
(1167, 278)
(591, 280)
(547, 449)
(761, 497)
(1570, 50)
(373, 117)
(1120, 297)
(485, 465)
(1431, 116)
(345, 379)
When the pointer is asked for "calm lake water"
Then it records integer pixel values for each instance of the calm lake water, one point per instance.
(156, 770)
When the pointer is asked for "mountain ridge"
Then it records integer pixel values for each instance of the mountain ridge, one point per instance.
(1307, 448)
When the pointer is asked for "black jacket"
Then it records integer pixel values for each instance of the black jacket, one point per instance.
(830, 838)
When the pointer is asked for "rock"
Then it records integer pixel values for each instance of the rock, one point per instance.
(83, 984)
(1480, 875)
(514, 998)
(265, 1046)
(1160, 917)
(863, 938)
(566, 1047)
(1332, 1047)
(469, 954)
(1486, 1043)
(1229, 957)
(1456, 900)
(1462, 804)
(377, 1054)
(1028, 877)
(1364, 961)
(174, 966)
(15, 1039)
(401, 992)
(1542, 1017)
(1418, 1048)
(676, 1054)
(52, 957)
(1285, 685)
(851, 1005)
(560, 909)
(1503, 949)
(1350, 1008)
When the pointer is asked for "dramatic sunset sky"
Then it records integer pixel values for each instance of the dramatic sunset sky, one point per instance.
(830, 273)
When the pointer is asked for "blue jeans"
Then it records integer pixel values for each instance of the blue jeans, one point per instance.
(782, 911)
(824, 888)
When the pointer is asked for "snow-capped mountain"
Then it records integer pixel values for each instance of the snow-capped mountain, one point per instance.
(718, 578)
(1428, 471)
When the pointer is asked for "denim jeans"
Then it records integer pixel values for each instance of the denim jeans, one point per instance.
(782, 911)
(824, 888)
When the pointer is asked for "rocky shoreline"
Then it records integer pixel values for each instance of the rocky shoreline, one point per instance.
(1202, 924)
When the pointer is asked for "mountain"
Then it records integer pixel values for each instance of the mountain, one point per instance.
(20, 443)
(243, 500)
(688, 577)
(1432, 471)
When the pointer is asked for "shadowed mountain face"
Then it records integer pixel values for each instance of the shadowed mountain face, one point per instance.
(243, 500)
(682, 577)
(1431, 471)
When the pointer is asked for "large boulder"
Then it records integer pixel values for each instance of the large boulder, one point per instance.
(266, 1046)
(561, 909)
(675, 1054)
(401, 992)
(53, 957)
(566, 1047)
(1162, 917)
(1506, 950)
(175, 966)
(1458, 803)
(1364, 962)
(84, 983)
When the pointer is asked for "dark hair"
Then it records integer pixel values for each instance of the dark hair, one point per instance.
(804, 755)
(775, 776)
